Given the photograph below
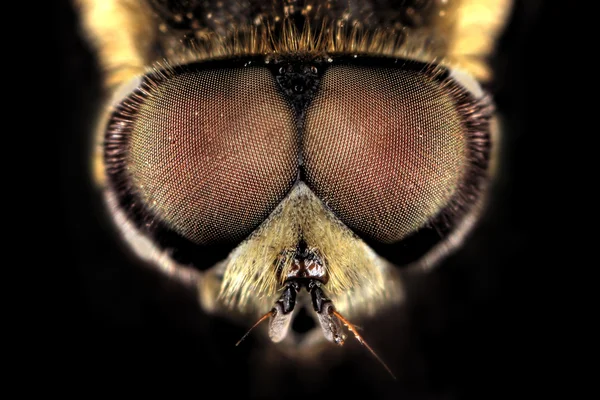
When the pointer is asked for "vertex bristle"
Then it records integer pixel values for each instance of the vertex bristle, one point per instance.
(285, 37)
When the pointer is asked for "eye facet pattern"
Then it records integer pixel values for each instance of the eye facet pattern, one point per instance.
(210, 153)
(386, 148)
(202, 154)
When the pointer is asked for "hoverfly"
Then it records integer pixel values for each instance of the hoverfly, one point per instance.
(291, 155)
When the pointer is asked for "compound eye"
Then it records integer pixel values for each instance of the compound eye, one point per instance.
(390, 149)
(208, 152)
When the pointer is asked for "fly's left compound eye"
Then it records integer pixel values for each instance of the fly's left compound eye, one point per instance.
(387, 149)
(399, 151)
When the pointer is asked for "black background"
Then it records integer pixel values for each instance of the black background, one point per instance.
(467, 331)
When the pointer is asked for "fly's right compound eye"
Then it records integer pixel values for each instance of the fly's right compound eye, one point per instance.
(203, 152)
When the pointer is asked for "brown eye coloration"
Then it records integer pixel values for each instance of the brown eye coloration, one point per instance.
(202, 154)
(307, 173)
(209, 153)
(388, 149)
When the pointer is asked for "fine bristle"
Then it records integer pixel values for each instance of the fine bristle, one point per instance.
(362, 341)
(476, 116)
(285, 38)
(261, 319)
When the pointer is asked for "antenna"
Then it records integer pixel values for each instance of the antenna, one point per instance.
(352, 329)
(267, 315)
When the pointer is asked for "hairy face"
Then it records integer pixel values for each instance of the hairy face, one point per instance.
(280, 156)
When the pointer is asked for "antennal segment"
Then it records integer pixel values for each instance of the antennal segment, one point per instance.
(331, 321)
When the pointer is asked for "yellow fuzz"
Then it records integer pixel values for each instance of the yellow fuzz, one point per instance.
(359, 281)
